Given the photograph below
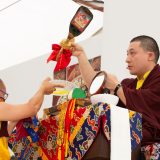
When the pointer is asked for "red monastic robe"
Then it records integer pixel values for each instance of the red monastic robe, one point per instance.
(145, 100)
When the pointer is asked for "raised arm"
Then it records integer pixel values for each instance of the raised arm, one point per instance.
(111, 83)
(9, 112)
(86, 69)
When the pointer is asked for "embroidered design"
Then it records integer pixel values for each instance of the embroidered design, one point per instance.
(81, 131)
(151, 152)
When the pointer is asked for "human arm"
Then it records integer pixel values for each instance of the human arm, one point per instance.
(111, 83)
(10, 112)
(88, 72)
(85, 67)
(144, 100)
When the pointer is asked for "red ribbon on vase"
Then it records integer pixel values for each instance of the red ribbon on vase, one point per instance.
(62, 54)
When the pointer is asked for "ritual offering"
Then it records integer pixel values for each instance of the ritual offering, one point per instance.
(77, 93)
(64, 91)
(62, 53)
(79, 22)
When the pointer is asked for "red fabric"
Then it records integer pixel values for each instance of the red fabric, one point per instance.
(21, 131)
(3, 129)
(47, 137)
(64, 58)
(145, 100)
(48, 133)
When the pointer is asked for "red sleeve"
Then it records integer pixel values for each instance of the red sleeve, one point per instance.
(145, 100)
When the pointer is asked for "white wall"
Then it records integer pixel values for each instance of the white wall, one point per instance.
(124, 20)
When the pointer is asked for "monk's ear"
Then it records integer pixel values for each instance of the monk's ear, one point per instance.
(151, 56)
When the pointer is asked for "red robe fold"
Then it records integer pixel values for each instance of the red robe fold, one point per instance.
(3, 129)
(145, 100)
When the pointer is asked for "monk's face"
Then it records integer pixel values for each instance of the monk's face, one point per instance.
(138, 60)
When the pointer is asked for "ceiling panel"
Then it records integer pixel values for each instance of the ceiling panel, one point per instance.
(6, 3)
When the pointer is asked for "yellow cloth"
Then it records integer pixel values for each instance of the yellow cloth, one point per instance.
(60, 92)
(141, 81)
(4, 152)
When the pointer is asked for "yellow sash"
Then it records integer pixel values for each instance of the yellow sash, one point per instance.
(141, 81)
(4, 152)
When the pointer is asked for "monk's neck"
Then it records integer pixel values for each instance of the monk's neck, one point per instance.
(146, 71)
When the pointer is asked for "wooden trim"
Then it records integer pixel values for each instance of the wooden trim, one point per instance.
(89, 5)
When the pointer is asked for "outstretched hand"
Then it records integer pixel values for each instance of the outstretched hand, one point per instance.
(48, 86)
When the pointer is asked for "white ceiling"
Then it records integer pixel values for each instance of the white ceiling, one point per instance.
(4, 3)
(29, 27)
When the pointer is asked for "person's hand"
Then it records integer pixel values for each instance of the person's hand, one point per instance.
(48, 86)
(111, 82)
(77, 50)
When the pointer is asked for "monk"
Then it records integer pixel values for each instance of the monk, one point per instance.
(141, 94)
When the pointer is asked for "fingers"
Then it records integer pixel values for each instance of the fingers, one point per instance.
(54, 89)
(72, 49)
(48, 79)
(53, 84)
(76, 50)
(59, 85)
(75, 45)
